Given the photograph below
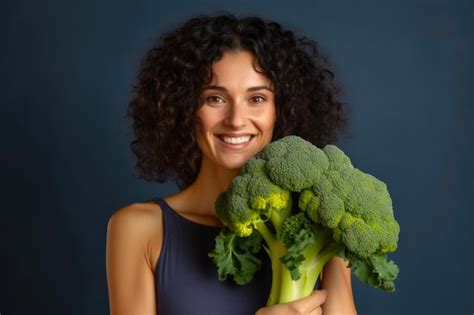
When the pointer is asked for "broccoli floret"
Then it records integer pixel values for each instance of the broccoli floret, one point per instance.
(253, 199)
(293, 163)
(356, 205)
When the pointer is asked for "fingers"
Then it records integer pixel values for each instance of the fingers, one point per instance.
(310, 304)
(317, 311)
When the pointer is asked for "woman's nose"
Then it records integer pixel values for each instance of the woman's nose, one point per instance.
(235, 116)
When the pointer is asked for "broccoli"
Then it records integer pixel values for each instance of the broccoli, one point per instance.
(305, 205)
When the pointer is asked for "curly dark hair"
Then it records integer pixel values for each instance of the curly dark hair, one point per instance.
(168, 91)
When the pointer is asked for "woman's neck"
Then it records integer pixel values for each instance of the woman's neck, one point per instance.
(211, 181)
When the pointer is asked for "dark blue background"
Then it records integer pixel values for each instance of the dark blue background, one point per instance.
(67, 68)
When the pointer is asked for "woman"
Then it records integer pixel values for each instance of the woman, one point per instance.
(210, 95)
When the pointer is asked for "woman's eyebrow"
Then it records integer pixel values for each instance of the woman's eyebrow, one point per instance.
(250, 89)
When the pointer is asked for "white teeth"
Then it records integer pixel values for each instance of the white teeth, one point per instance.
(236, 140)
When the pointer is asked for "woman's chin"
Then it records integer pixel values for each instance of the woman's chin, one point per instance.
(233, 164)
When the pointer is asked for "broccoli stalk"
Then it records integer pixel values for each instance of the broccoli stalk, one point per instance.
(308, 205)
(307, 249)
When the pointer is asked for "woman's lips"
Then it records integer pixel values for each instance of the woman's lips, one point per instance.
(235, 146)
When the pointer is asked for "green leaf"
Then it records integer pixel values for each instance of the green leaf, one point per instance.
(387, 271)
(295, 254)
(374, 270)
(234, 256)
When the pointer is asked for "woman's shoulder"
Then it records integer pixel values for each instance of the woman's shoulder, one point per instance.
(137, 211)
(140, 216)
(142, 224)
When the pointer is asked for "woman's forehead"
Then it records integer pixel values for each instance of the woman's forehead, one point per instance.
(237, 69)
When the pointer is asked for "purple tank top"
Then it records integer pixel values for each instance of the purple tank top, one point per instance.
(186, 278)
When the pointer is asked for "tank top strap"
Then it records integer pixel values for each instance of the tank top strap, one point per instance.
(167, 223)
(163, 205)
(165, 208)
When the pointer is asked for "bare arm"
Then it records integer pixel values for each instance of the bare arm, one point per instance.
(336, 279)
(130, 277)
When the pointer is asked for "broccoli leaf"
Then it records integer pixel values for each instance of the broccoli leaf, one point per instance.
(386, 271)
(374, 270)
(295, 254)
(297, 235)
(234, 256)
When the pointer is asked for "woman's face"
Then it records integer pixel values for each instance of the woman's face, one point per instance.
(238, 113)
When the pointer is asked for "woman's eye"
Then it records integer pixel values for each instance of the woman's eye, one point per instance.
(214, 99)
(258, 99)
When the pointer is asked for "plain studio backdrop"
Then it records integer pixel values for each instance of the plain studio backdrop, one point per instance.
(67, 70)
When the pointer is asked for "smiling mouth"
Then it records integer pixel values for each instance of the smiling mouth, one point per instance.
(235, 142)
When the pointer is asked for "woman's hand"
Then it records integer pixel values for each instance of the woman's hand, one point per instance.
(310, 305)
